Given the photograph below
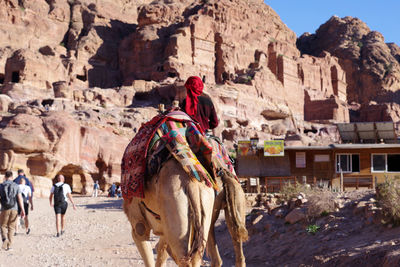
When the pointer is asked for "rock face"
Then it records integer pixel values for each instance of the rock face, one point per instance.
(371, 66)
(45, 141)
(78, 76)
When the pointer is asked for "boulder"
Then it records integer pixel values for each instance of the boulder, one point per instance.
(295, 215)
(5, 102)
(392, 258)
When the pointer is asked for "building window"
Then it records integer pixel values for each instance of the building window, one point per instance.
(347, 163)
(385, 163)
(378, 162)
(321, 158)
(300, 159)
(393, 162)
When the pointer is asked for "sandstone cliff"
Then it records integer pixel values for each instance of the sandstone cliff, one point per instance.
(79, 77)
(372, 67)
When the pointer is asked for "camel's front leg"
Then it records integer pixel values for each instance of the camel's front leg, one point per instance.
(140, 230)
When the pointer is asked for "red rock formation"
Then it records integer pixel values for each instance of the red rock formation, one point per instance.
(371, 66)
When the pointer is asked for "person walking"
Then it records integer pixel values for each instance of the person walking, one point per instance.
(112, 190)
(26, 194)
(21, 175)
(10, 199)
(119, 191)
(60, 192)
(96, 188)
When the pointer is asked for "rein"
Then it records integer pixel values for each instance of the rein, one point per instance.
(152, 212)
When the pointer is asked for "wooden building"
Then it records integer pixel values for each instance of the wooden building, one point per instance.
(359, 164)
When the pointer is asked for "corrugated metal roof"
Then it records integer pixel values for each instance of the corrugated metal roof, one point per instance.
(365, 146)
(343, 146)
(368, 131)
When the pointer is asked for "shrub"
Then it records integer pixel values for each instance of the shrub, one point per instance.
(388, 196)
(320, 203)
(289, 191)
(312, 229)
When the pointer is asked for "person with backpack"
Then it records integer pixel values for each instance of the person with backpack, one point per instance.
(27, 200)
(61, 192)
(10, 199)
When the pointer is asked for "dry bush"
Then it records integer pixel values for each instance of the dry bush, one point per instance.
(320, 202)
(388, 196)
(289, 191)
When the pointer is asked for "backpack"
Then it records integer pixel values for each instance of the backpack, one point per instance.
(25, 199)
(59, 198)
(8, 195)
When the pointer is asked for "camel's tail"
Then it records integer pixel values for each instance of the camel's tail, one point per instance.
(235, 206)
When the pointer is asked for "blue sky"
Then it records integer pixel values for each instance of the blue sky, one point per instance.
(307, 15)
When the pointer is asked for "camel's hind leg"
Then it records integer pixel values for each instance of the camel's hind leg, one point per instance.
(185, 211)
(162, 254)
(237, 245)
(235, 213)
(212, 247)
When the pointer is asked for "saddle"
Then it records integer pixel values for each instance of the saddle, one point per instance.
(171, 134)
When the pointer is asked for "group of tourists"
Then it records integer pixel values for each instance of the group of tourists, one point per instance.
(113, 191)
(16, 199)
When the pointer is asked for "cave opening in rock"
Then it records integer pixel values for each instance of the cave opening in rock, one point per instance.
(172, 74)
(82, 77)
(1, 78)
(314, 131)
(100, 175)
(47, 102)
(334, 77)
(74, 177)
(15, 77)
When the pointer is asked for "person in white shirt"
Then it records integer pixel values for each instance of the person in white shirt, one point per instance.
(61, 193)
(26, 193)
(96, 188)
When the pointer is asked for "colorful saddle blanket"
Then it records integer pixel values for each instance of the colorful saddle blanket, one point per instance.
(182, 138)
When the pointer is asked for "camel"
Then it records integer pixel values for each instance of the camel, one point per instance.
(179, 210)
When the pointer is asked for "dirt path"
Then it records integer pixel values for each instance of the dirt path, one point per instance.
(97, 234)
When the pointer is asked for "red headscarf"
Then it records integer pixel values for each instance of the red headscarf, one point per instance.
(194, 87)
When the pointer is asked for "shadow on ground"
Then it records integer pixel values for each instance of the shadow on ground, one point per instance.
(107, 204)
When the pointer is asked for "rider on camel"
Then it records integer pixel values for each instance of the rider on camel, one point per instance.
(198, 105)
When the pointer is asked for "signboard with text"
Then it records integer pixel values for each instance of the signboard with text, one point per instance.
(274, 148)
(245, 149)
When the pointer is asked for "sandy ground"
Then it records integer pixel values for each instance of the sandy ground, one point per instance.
(97, 234)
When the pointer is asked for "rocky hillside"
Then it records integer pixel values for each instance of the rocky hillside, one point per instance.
(288, 234)
(372, 66)
(77, 78)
